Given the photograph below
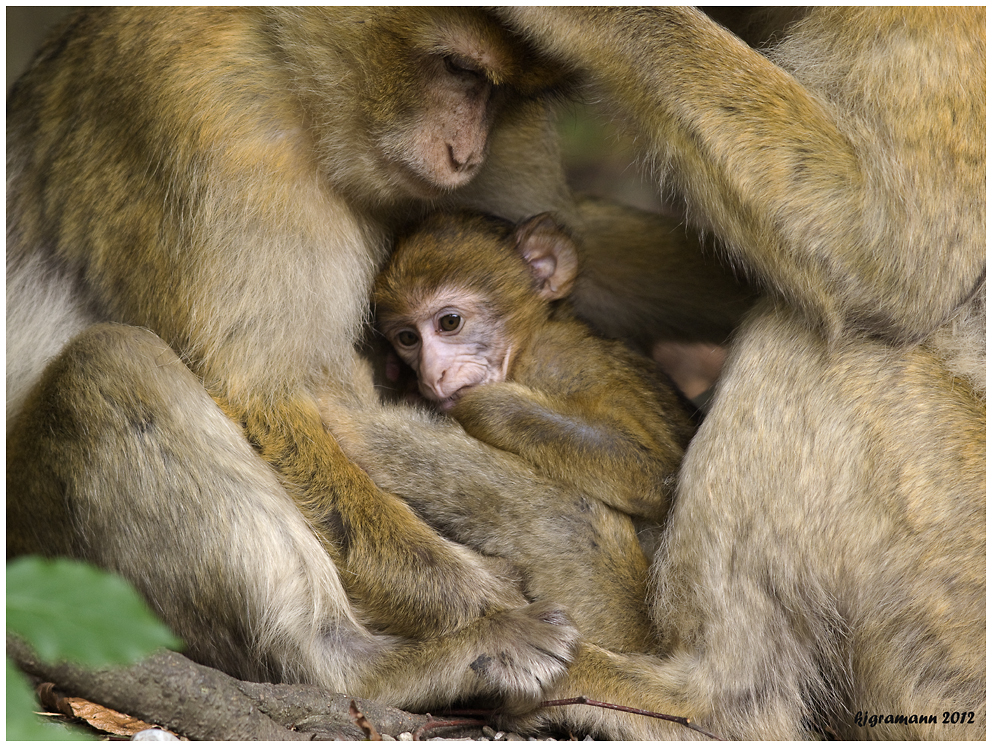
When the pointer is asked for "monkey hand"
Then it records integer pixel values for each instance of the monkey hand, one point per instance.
(524, 653)
(510, 660)
(505, 415)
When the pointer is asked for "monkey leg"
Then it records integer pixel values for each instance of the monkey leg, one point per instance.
(121, 458)
(509, 659)
(826, 552)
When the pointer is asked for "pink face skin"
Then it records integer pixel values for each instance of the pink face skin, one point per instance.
(452, 344)
(443, 148)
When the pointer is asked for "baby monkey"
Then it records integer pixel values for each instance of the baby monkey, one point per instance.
(475, 305)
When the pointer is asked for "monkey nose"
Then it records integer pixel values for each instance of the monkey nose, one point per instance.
(440, 387)
(432, 385)
(464, 161)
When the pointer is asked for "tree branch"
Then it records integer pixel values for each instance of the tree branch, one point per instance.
(203, 703)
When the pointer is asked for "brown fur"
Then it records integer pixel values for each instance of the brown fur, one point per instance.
(825, 555)
(229, 179)
(826, 552)
(824, 562)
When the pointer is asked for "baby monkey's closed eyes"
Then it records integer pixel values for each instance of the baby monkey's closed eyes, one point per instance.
(475, 306)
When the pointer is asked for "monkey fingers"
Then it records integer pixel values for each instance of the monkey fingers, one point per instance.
(408, 579)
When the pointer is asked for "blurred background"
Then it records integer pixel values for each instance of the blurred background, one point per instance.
(26, 29)
(598, 159)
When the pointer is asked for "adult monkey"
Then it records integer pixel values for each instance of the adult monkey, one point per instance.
(849, 427)
(229, 179)
(825, 560)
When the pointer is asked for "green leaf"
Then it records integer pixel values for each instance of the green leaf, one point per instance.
(70, 610)
(22, 721)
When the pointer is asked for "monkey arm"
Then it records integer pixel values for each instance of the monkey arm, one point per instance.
(601, 452)
(646, 277)
(873, 222)
(411, 581)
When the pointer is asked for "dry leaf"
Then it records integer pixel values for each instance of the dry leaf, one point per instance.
(106, 719)
(95, 715)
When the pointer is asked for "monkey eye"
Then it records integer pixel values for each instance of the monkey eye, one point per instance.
(407, 338)
(450, 322)
(457, 66)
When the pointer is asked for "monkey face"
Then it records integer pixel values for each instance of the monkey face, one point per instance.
(453, 344)
(445, 145)
(431, 115)
(434, 87)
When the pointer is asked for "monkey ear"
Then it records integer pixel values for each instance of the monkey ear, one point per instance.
(551, 254)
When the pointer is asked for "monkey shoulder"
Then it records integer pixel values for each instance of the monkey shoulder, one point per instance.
(562, 357)
(566, 358)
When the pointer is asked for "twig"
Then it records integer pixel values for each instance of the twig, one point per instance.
(441, 723)
(583, 700)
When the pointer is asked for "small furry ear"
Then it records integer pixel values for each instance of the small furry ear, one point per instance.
(551, 254)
